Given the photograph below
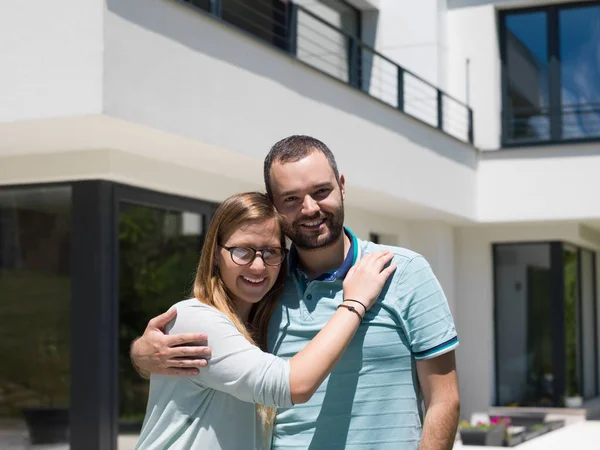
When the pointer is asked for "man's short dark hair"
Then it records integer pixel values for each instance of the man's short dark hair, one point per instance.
(292, 149)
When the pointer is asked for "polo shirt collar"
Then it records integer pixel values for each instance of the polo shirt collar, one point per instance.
(341, 272)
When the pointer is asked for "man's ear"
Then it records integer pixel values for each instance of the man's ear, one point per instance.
(343, 186)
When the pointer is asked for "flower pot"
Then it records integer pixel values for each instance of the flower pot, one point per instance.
(524, 419)
(47, 425)
(574, 402)
(492, 436)
(514, 439)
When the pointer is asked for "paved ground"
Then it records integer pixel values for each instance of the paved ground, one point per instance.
(581, 436)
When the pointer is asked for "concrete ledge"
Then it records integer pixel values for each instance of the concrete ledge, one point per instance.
(589, 411)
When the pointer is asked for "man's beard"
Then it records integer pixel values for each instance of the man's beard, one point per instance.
(307, 240)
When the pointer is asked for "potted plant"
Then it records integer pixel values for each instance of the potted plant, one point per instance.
(485, 434)
(572, 397)
(47, 413)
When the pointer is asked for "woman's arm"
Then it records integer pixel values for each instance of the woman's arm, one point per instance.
(241, 369)
(314, 362)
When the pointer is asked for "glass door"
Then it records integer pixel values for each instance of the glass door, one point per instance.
(35, 312)
(159, 242)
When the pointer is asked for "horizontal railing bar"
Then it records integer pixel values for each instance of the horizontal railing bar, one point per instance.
(375, 52)
(345, 57)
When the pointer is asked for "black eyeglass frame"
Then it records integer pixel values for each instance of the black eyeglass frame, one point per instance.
(255, 251)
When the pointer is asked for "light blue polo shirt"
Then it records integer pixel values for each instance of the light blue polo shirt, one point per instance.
(371, 400)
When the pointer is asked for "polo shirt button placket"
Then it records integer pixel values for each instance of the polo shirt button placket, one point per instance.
(309, 297)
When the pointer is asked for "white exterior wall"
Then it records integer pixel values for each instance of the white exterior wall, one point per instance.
(51, 58)
(412, 34)
(472, 35)
(435, 241)
(553, 183)
(222, 88)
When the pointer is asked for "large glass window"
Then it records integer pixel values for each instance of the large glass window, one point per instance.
(579, 37)
(525, 371)
(527, 76)
(158, 254)
(551, 64)
(545, 324)
(35, 299)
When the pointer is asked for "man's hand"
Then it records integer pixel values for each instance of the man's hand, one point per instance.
(439, 383)
(156, 352)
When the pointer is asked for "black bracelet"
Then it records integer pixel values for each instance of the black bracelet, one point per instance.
(351, 308)
(356, 301)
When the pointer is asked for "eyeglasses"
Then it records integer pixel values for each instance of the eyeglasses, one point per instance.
(242, 256)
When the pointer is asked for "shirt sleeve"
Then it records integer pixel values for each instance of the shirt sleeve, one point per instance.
(424, 311)
(236, 366)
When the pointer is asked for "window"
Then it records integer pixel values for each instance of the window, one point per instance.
(316, 31)
(550, 60)
(159, 250)
(525, 369)
(545, 324)
(35, 307)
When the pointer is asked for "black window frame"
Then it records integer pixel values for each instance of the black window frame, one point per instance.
(557, 319)
(554, 76)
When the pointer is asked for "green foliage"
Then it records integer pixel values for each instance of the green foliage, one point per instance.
(35, 336)
(571, 296)
(156, 269)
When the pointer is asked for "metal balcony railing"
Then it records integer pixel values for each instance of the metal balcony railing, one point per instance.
(577, 122)
(313, 40)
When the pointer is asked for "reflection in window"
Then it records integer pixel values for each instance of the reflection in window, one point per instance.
(579, 35)
(545, 339)
(266, 20)
(35, 297)
(551, 73)
(527, 73)
(202, 4)
(523, 327)
(158, 253)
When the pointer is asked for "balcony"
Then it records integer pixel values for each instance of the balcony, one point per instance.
(570, 123)
(339, 53)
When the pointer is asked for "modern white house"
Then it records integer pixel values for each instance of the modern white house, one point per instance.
(468, 131)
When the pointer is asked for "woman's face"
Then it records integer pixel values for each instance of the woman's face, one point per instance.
(249, 283)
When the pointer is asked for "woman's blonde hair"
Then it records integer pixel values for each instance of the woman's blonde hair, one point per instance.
(208, 285)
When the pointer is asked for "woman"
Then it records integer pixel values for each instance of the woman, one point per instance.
(240, 275)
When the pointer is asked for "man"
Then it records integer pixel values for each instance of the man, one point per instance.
(401, 356)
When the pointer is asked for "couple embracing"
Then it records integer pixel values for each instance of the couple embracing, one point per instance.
(335, 343)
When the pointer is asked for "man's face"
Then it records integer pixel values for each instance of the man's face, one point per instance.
(310, 199)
